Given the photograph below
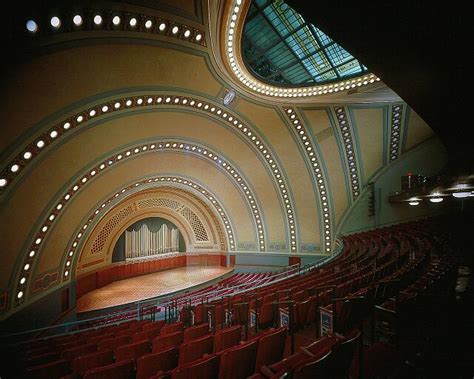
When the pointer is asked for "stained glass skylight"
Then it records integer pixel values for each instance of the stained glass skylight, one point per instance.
(280, 47)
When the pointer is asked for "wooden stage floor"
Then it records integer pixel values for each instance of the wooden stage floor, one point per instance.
(148, 286)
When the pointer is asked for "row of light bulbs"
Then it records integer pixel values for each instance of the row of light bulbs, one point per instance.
(140, 101)
(257, 86)
(168, 145)
(55, 22)
(395, 132)
(351, 158)
(310, 150)
(163, 179)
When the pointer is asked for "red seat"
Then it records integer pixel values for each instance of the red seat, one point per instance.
(89, 361)
(51, 370)
(314, 367)
(266, 315)
(205, 368)
(196, 332)
(153, 325)
(120, 370)
(141, 336)
(161, 343)
(41, 359)
(70, 354)
(238, 362)
(271, 347)
(114, 343)
(199, 313)
(227, 338)
(150, 364)
(193, 350)
(301, 313)
(172, 328)
(343, 354)
(310, 353)
(132, 351)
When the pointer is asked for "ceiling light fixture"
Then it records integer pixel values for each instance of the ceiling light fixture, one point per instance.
(414, 201)
(462, 191)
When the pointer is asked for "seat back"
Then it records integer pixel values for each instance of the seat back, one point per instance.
(69, 354)
(271, 347)
(322, 345)
(150, 364)
(113, 343)
(89, 361)
(132, 351)
(40, 359)
(120, 370)
(195, 349)
(172, 328)
(226, 338)
(266, 315)
(51, 370)
(301, 313)
(205, 368)
(315, 367)
(195, 332)
(238, 362)
(140, 336)
(161, 343)
(343, 353)
(153, 325)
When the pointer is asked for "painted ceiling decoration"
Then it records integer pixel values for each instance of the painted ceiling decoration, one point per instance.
(282, 49)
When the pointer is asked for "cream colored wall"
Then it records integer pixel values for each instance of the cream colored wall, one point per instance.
(369, 126)
(54, 81)
(418, 131)
(278, 135)
(322, 129)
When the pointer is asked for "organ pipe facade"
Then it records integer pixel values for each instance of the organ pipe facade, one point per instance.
(144, 243)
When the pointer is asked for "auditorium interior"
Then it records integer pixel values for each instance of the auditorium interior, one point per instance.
(236, 189)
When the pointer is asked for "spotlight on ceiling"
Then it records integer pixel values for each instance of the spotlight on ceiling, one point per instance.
(436, 199)
(414, 202)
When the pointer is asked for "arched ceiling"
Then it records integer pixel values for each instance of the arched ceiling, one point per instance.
(94, 111)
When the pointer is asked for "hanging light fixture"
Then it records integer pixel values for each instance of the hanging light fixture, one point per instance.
(462, 191)
(414, 201)
(436, 199)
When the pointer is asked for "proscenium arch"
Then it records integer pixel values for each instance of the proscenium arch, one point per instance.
(86, 175)
(180, 182)
(182, 198)
(171, 100)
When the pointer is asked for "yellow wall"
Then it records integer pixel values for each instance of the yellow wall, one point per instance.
(369, 127)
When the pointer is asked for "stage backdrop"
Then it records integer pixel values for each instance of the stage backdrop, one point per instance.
(148, 237)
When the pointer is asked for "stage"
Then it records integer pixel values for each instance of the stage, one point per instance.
(148, 286)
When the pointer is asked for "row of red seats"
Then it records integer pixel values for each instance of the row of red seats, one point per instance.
(170, 350)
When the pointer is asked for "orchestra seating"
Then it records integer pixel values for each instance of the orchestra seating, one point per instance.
(378, 290)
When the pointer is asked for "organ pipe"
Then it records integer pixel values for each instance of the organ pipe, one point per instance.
(144, 243)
